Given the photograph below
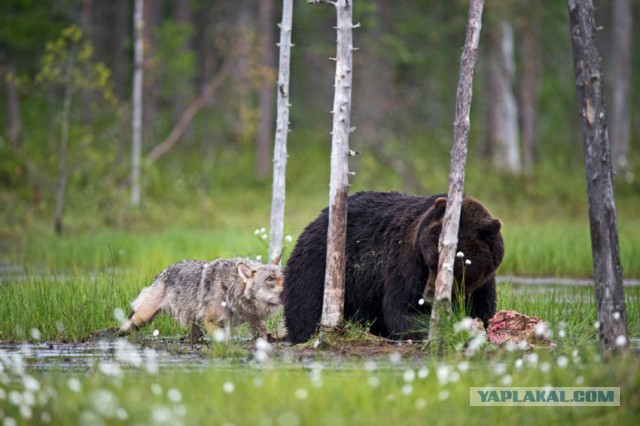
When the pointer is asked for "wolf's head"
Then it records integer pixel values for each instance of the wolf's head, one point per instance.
(262, 283)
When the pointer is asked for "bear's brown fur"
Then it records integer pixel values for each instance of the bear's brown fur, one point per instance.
(392, 260)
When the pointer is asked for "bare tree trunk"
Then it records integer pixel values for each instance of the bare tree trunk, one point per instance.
(64, 145)
(503, 130)
(187, 116)
(451, 221)
(607, 272)
(138, 28)
(620, 80)
(334, 280)
(276, 227)
(266, 93)
(531, 58)
(13, 122)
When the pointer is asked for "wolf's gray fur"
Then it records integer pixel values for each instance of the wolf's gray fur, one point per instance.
(222, 292)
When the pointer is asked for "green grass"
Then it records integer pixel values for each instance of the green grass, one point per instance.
(407, 393)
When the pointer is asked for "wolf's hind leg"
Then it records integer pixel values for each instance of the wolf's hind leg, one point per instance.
(145, 307)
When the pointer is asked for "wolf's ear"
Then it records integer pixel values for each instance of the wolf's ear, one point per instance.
(246, 273)
(277, 260)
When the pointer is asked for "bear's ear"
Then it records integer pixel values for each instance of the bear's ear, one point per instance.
(492, 227)
(439, 207)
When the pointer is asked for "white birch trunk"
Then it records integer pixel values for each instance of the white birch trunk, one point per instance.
(137, 104)
(451, 221)
(505, 129)
(333, 303)
(276, 227)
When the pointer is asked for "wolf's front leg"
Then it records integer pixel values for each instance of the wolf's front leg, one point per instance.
(259, 329)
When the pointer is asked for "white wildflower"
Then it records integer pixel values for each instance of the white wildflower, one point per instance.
(506, 380)
(545, 367)
(467, 262)
(621, 341)
(464, 325)
(460, 255)
(301, 393)
(423, 373)
(174, 395)
(421, 301)
(442, 373)
(409, 375)
(156, 333)
(443, 395)
(373, 381)
(228, 387)
(369, 365)
(562, 361)
(616, 316)
(407, 389)
(288, 238)
(35, 334)
(463, 366)
(596, 325)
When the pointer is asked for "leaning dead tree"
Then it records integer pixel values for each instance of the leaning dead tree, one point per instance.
(612, 316)
(334, 279)
(276, 227)
(188, 115)
(451, 221)
(136, 146)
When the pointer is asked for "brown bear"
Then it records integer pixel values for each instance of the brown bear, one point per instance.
(391, 264)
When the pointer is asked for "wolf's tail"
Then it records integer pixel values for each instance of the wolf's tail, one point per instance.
(146, 305)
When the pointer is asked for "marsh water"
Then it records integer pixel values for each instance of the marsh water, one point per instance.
(171, 352)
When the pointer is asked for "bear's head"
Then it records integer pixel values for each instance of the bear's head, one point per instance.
(479, 240)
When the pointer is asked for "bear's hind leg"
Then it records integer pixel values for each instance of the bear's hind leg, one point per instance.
(145, 307)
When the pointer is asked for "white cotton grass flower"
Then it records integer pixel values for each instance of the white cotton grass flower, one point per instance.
(219, 335)
(499, 368)
(121, 414)
(542, 330)
(126, 353)
(562, 361)
(301, 393)
(264, 236)
(596, 325)
(443, 395)
(35, 334)
(532, 359)
(423, 373)
(373, 381)
(30, 383)
(579, 380)
(442, 373)
(466, 324)
(256, 232)
(616, 315)
(369, 365)
(119, 316)
(174, 395)
(395, 357)
(621, 341)
(545, 367)
(228, 387)
(518, 364)
(9, 421)
(506, 380)
(407, 389)
(421, 404)
(156, 332)
(467, 262)
(156, 389)
(288, 238)
(459, 255)
(463, 366)
(421, 301)
(409, 375)
(475, 344)
(151, 361)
